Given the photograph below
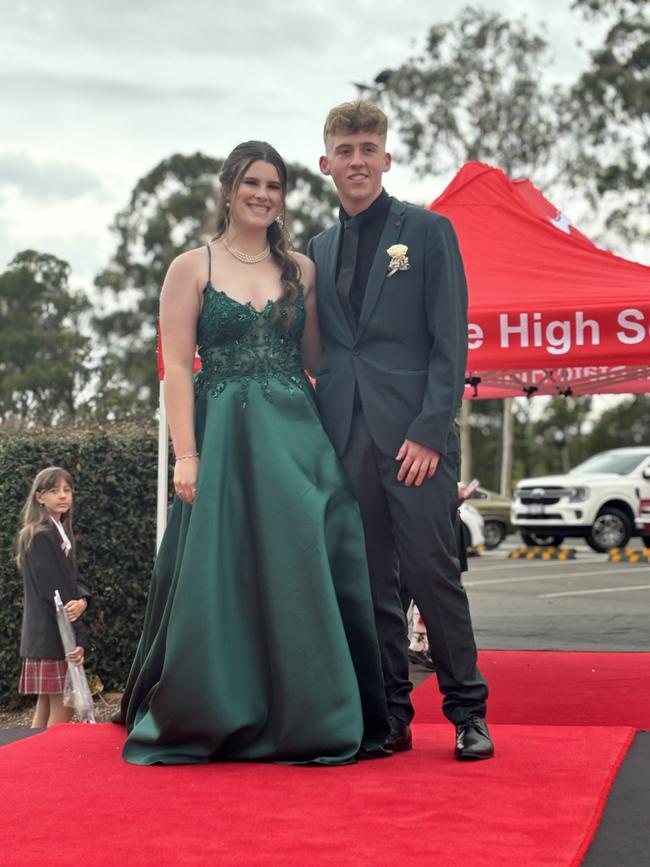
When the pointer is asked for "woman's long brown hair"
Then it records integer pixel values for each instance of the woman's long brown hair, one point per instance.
(233, 170)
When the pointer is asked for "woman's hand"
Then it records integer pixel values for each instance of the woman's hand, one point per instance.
(186, 472)
(76, 655)
(74, 609)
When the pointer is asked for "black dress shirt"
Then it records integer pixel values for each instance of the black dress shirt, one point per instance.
(371, 225)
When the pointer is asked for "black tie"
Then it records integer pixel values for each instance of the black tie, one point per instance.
(348, 266)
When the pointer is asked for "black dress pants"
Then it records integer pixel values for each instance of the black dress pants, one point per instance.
(411, 541)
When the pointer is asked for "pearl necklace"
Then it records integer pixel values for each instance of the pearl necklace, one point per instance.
(246, 257)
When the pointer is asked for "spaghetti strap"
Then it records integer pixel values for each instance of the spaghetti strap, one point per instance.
(209, 264)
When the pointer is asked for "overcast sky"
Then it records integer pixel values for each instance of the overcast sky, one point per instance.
(93, 94)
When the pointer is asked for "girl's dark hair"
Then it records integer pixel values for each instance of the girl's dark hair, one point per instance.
(233, 170)
(34, 517)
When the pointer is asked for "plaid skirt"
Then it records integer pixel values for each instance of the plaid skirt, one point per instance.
(42, 676)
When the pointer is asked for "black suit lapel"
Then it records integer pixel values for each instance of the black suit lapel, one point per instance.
(379, 269)
(334, 243)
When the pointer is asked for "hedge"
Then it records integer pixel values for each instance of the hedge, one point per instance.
(114, 470)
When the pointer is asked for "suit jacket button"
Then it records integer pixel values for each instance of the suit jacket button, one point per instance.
(355, 352)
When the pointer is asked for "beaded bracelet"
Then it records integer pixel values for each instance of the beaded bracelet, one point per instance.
(183, 457)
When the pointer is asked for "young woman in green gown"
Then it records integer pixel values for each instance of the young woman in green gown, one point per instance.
(259, 639)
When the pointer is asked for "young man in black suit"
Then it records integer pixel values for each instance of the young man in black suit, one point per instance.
(392, 306)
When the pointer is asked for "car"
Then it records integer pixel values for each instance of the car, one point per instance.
(495, 510)
(473, 520)
(598, 500)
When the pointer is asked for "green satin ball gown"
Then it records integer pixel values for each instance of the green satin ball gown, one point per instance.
(259, 640)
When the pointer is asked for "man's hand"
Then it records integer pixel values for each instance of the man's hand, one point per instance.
(418, 463)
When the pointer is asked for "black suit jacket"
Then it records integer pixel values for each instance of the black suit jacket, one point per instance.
(46, 569)
(408, 354)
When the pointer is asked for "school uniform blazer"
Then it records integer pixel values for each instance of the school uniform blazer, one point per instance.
(46, 569)
(407, 355)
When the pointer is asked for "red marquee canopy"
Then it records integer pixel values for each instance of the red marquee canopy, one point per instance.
(549, 311)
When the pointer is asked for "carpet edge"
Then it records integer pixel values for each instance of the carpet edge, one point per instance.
(590, 831)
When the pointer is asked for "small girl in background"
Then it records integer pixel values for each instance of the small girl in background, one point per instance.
(45, 556)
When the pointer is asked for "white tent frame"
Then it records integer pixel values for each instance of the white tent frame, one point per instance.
(163, 462)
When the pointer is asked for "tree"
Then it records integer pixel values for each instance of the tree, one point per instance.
(43, 354)
(608, 7)
(171, 210)
(626, 424)
(609, 112)
(474, 92)
(485, 424)
(559, 438)
(312, 205)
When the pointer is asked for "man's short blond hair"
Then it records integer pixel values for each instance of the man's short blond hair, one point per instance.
(358, 116)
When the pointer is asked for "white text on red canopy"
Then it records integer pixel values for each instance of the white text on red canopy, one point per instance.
(560, 336)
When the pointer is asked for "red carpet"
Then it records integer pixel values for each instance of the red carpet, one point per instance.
(68, 799)
(554, 688)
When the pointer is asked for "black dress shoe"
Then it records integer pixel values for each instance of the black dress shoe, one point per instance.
(473, 740)
(400, 738)
(423, 658)
(381, 752)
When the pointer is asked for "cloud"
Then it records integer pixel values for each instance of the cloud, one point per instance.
(46, 180)
(92, 96)
(169, 27)
(40, 85)
(73, 229)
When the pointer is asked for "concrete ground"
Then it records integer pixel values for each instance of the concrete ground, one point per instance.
(588, 603)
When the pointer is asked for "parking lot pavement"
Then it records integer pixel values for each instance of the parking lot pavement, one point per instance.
(588, 603)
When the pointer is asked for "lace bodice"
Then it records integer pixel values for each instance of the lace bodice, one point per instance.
(236, 341)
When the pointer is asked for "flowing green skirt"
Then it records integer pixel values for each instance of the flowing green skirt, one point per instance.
(259, 640)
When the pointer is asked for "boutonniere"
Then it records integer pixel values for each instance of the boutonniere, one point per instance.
(398, 259)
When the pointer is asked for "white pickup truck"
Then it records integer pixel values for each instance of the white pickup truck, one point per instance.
(599, 500)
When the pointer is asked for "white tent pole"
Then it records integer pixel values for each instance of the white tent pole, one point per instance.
(163, 460)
